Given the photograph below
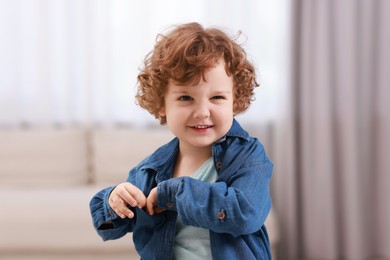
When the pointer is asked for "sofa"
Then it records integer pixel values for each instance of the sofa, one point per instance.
(47, 178)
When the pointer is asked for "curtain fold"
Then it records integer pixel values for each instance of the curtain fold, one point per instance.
(334, 172)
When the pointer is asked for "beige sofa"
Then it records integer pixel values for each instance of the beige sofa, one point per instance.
(47, 178)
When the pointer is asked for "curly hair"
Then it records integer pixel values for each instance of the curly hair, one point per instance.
(183, 55)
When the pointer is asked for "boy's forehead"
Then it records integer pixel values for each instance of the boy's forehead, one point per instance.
(215, 79)
(202, 75)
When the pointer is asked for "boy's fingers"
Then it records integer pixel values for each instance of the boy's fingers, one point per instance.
(127, 197)
(125, 213)
(137, 197)
(121, 209)
(149, 207)
(151, 201)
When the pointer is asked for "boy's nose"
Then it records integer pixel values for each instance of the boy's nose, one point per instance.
(201, 111)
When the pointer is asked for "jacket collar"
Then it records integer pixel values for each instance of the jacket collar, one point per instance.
(159, 160)
(235, 131)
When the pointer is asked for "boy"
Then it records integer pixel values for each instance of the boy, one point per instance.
(205, 194)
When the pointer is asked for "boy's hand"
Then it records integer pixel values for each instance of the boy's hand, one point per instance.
(151, 203)
(122, 196)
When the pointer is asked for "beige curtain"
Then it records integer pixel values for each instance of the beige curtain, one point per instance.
(332, 179)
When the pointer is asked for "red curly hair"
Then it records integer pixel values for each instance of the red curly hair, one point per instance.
(183, 55)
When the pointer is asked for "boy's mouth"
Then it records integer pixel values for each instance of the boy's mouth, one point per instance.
(201, 126)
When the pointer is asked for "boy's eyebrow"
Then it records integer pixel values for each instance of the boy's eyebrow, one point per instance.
(179, 92)
(223, 91)
(214, 92)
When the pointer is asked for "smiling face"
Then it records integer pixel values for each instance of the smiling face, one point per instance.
(201, 114)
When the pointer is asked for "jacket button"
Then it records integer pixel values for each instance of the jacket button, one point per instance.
(219, 165)
(221, 215)
(169, 205)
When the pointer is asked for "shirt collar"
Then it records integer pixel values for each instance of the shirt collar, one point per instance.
(160, 159)
(235, 131)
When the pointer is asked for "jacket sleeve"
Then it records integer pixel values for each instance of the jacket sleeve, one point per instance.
(106, 222)
(238, 203)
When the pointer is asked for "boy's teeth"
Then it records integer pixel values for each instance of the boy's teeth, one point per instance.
(201, 126)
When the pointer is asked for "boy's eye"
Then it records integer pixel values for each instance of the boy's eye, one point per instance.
(185, 98)
(218, 97)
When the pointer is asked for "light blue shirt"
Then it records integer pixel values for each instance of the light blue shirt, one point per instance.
(193, 243)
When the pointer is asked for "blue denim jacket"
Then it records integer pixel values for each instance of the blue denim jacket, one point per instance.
(233, 208)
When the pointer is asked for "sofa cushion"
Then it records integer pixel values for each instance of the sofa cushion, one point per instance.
(52, 220)
(43, 157)
(116, 151)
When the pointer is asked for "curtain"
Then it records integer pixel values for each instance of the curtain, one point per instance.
(75, 62)
(333, 167)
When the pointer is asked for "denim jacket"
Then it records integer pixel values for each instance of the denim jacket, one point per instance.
(233, 208)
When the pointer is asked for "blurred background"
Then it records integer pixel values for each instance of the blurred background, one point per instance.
(69, 124)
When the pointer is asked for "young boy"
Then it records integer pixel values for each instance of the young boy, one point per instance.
(205, 194)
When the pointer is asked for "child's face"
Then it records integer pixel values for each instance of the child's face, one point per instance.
(199, 115)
